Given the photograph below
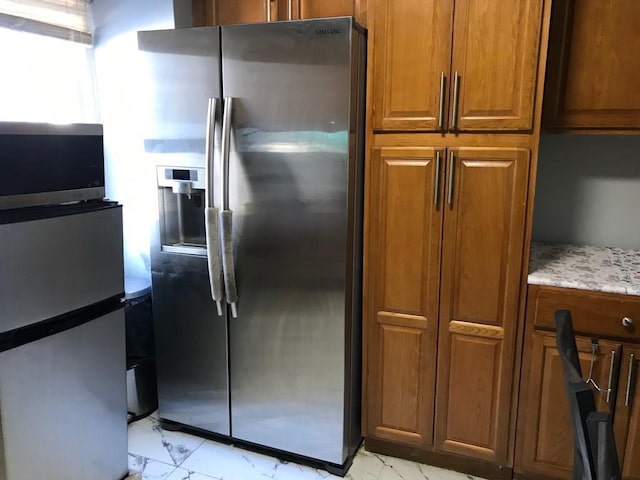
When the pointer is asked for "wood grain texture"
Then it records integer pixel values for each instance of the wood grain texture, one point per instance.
(547, 438)
(405, 233)
(594, 66)
(495, 51)
(627, 417)
(304, 9)
(412, 49)
(482, 251)
(592, 313)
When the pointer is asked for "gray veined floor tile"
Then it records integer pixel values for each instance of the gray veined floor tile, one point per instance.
(147, 439)
(182, 474)
(149, 469)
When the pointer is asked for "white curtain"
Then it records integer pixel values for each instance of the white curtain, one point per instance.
(66, 19)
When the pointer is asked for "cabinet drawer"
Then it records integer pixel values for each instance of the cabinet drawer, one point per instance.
(593, 313)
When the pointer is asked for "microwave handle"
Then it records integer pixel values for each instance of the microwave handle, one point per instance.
(211, 219)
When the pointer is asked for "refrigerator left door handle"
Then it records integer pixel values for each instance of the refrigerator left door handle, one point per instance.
(226, 223)
(211, 211)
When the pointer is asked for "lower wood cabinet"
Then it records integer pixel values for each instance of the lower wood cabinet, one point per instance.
(544, 438)
(445, 246)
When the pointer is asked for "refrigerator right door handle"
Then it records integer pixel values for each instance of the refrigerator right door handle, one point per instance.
(211, 212)
(226, 216)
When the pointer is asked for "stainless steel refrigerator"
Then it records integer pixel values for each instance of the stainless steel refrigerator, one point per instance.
(254, 134)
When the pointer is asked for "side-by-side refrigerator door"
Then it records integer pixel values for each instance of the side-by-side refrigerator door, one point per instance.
(287, 103)
(181, 130)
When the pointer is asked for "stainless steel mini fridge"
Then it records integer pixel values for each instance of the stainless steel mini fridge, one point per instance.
(255, 137)
(62, 345)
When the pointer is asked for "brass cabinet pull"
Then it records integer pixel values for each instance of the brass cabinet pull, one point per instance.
(290, 9)
(441, 104)
(268, 5)
(456, 98)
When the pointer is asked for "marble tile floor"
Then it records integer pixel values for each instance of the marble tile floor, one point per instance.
(157, 454)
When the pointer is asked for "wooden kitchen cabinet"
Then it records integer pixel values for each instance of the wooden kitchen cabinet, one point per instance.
(482, 80)
(548, 447)
(627, 413)
(228, 12)
(593, 65)
(484, 224)
(406, 233)
(544, 437)
(474, 215)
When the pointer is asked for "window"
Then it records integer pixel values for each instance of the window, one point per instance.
(47, 64)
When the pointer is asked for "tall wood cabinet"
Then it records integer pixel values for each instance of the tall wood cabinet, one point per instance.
(454, 105)
(466, 65)
(594, 66)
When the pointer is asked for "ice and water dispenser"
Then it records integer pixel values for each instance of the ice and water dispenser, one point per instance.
(181, 201)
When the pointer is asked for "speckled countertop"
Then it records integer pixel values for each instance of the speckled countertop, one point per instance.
(612, 270)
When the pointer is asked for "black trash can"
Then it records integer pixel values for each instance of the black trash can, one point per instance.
(142, 393)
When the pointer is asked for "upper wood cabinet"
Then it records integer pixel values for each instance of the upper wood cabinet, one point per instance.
(228, 12)
(593, 65)
(483, 80)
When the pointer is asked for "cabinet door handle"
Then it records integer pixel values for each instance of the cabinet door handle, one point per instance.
(451, 169)
(610, 384)
(268, 6)
(441, 103)
(456, 98)
(627, 397)
(436, 182)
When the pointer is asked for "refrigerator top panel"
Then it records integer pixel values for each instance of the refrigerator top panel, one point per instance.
(290, 80)
(45, 164)
(182, 72)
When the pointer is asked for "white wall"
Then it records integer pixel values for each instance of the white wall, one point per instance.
(129, 179)
(588, 190)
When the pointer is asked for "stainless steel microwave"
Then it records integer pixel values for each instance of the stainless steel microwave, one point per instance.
(43, 164)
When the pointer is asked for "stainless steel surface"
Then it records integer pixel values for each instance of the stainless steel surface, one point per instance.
(209, 150)
(627, 396)
(452, 165)
(456, 98)
(436, 181)
(226, 148)
(63, 404)
(49, 198)
(610, 383)
(191, 340)
(23, 128)
(627, 322)
(214, 262)
(291, 180)
(441, 102)
(197, 180)
(55, 265)
(142, 393)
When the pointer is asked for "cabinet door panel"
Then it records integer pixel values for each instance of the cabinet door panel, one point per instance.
(592, 77)
(412, 50)
(321, 8)
(245, 11)
(404, 261)
(627, 416)
(547, 437)
(482, 255)
(495, 52)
